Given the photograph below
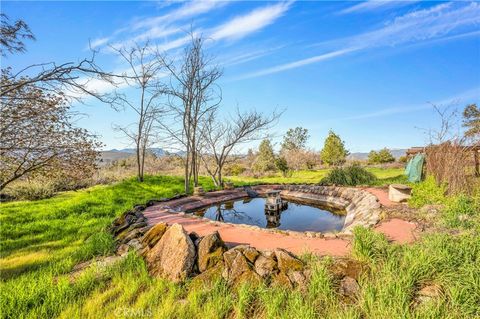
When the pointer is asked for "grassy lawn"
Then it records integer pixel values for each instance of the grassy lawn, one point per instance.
(384, 175)
(42, 240)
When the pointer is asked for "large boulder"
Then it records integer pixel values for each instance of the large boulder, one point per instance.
(173, 257)
(153, 235)
(237, 269)
(210, 251)
(287, 262)
(265, 265)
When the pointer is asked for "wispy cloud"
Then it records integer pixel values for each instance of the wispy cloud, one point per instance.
(98, 42)
(373, 5)
(159, 26)
(248, 56)
(187, 10)
(257, 19)
(419, 26)
(299, 63)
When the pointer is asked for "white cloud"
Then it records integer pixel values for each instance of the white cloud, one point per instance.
(98, 42)
(257, 19)
(187, 10)
(299, 63)
(419, 26)
(372, 5)
(160, 26)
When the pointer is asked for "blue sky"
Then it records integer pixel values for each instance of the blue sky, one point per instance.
(366, 69)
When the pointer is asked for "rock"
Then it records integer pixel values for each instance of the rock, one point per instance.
(198, 191)
(349, 287)
(426, 294)
(265, 266)
(281, 280)
(287, 262)
(132, 234)
(210, 251)
(346, 267)
(100, 264)
(135, 244)
(250, 192)
(298, 279)
(208, 277)
(237, 269)
(251, 254)
(153, 235)
(173, 256)
(122, 249)
(399, 193)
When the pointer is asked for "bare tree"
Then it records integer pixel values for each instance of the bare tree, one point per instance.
(195, 96)
(145, 69)
(73, 78)
(12, 35)
(221, 137)
(37, 136)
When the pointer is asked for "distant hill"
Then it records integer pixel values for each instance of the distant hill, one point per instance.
(115, 154)
(364, 156)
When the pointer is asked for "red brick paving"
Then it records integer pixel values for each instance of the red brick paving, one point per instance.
(396, 230)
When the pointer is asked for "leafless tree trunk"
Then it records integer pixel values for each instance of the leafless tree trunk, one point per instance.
(196, 95)
(145, 68)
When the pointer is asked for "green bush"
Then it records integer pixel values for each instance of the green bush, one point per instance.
(350, 176)
(462, 211)
(427, 193)
(30, 190)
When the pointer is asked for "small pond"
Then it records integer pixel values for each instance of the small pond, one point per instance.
(295, 216)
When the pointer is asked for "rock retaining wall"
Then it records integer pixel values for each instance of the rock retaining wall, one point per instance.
(362, 207)
(170, 252)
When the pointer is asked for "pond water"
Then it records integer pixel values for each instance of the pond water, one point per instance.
(296, 216)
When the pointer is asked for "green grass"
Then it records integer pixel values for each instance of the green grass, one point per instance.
(385, 176)
(42, 240)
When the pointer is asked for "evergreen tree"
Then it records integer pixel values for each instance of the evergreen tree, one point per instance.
(381, 157)
(295, 139)
(282, 165)
(471, 120)
(334, 151)
(385, 156)
(266, 158)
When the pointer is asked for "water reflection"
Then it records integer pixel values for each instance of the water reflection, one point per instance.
(293, 217)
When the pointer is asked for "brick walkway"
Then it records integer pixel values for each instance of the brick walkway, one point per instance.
(396, 230)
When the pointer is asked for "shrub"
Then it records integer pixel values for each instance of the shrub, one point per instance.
(462, 211)
(350, 176)
(234, 169)
(282, 165)
(427, 193)
(30, 190)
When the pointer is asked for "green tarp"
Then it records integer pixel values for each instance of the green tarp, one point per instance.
(414, 168)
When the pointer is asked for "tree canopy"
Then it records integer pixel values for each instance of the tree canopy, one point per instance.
(334, 151)
(471, 120)
(266, 158)
(381, 157)
(295, 139)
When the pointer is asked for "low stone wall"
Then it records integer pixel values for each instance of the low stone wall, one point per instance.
(170, 252)
(362, 207)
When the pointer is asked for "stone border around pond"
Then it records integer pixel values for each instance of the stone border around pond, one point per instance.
(362, 208)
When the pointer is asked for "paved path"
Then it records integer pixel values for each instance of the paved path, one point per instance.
(396, 229)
